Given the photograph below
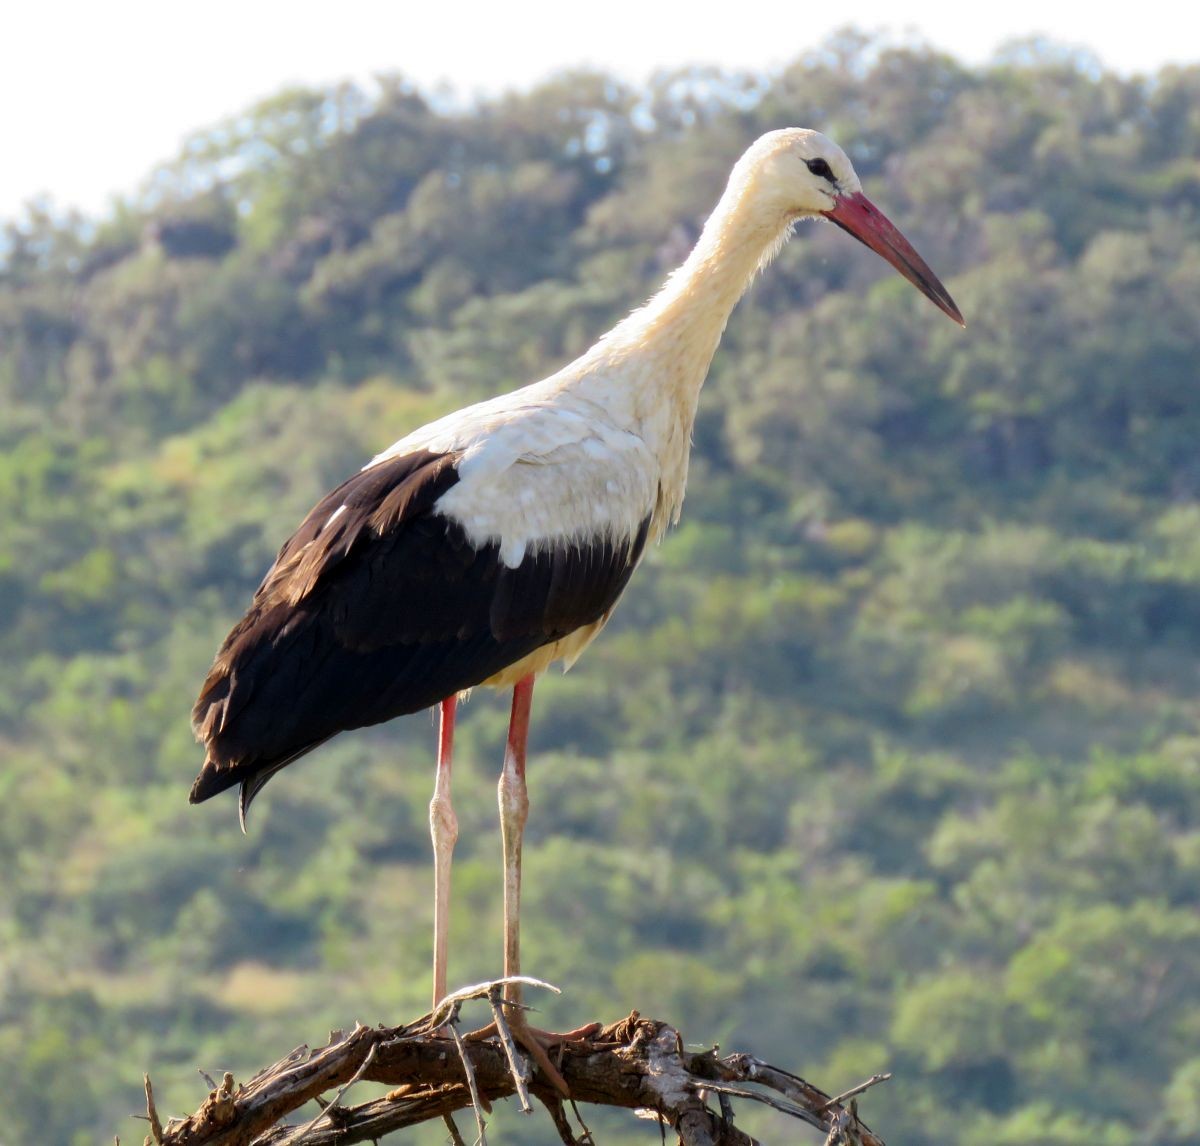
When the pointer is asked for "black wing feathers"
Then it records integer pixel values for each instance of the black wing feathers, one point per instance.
(564, 586)
(383, 608)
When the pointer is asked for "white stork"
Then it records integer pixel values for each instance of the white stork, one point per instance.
(483, 547)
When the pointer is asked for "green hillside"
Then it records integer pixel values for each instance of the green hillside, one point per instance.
(890, 758)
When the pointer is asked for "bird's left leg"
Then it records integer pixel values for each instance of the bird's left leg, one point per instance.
(514, 811)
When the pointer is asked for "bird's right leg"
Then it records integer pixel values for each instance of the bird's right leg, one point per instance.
(443, 827)
(514, 810)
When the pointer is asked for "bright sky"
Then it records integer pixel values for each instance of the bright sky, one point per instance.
(96, 92)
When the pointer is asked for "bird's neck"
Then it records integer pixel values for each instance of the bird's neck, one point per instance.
(681, 326)
(665, 348)
(695, 302)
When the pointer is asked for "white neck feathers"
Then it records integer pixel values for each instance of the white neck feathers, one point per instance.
(661, 352)
(685, 319)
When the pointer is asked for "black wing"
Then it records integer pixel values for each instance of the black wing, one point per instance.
(384, 608)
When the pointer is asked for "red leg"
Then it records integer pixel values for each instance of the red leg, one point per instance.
(514, 811)
(443, 827)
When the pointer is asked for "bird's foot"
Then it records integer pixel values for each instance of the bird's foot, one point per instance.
(509, 1025)
(538, 1043)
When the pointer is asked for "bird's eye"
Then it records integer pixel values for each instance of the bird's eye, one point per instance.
(821, 169)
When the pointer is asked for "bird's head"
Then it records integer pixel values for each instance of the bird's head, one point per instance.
(802, 174)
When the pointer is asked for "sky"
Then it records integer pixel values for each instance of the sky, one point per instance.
(94, 95)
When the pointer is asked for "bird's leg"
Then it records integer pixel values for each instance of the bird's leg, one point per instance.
(443, 827)
(514, 811)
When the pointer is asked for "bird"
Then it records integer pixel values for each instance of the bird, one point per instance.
(495, 541)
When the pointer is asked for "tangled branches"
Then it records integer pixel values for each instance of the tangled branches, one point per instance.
(636, 1063)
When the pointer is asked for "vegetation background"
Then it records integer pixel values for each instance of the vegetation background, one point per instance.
(890, 758)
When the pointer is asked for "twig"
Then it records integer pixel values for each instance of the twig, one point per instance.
(588, 1140)
(455, 1136)
(726, 1108)
(156, 1128)
(854, 1091)
(326, 1111)
(743, 1067)
(441, 1012)
(469, 1071)
(516, 1065)
(558, 1116)
(722, 1088)
(841, 1130)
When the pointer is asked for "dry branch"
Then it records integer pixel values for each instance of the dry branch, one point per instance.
(637, 1063)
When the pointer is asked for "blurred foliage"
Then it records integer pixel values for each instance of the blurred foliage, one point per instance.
(890, 758)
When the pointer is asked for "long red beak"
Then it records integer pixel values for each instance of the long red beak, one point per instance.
(869, 225)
